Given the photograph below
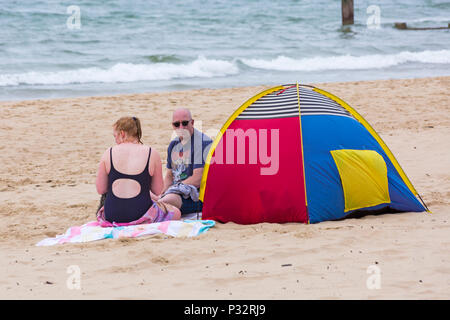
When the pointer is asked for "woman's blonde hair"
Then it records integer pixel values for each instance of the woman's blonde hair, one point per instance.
(131, 126)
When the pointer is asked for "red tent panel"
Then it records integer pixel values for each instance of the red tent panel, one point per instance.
(268, 189)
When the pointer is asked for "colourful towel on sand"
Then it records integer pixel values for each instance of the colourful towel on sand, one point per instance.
(92, 231)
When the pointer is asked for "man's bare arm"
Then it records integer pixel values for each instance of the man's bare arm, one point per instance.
(196, 178)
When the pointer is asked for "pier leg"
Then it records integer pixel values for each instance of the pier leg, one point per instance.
(347, 12)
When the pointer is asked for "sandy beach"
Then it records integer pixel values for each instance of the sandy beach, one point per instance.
(49, 155)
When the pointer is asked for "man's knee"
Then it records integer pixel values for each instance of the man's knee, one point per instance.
(173, 199)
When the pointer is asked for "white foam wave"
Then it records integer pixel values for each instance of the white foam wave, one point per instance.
(432, 19)
(125, 72)
(349, 62)
(425, 19)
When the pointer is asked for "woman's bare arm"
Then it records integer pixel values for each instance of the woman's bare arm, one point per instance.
(101, 182)
(155, 170)
(168, 179)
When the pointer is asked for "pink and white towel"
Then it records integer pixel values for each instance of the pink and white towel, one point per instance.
(92, 231)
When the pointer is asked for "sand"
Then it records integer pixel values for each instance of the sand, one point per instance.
(49, 155)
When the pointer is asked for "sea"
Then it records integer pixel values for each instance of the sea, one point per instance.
(54, 49)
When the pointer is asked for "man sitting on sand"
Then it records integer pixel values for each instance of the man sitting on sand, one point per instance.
(185, 161)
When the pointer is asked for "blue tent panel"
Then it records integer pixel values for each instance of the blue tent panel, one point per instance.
(323, 133)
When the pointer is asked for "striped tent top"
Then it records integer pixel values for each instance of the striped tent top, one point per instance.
(287, 102)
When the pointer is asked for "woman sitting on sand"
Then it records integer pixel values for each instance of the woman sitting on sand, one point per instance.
(127, 173)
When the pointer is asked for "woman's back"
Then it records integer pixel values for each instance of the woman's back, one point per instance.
(129, 182)
(127, 173)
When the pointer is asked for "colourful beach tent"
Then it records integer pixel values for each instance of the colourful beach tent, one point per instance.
(296, 153)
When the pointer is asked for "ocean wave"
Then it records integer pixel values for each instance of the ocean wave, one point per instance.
(125, 72)
(432, 19)
(349, 62)
(411, 20)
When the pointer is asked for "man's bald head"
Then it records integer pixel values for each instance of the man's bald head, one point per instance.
(182, 113)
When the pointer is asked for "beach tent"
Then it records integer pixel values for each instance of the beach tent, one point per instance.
(296, 153)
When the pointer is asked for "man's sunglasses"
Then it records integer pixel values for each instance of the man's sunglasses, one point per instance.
(184, 123)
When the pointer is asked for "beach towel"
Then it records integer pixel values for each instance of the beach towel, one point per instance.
(92, 231)
(158, 219)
